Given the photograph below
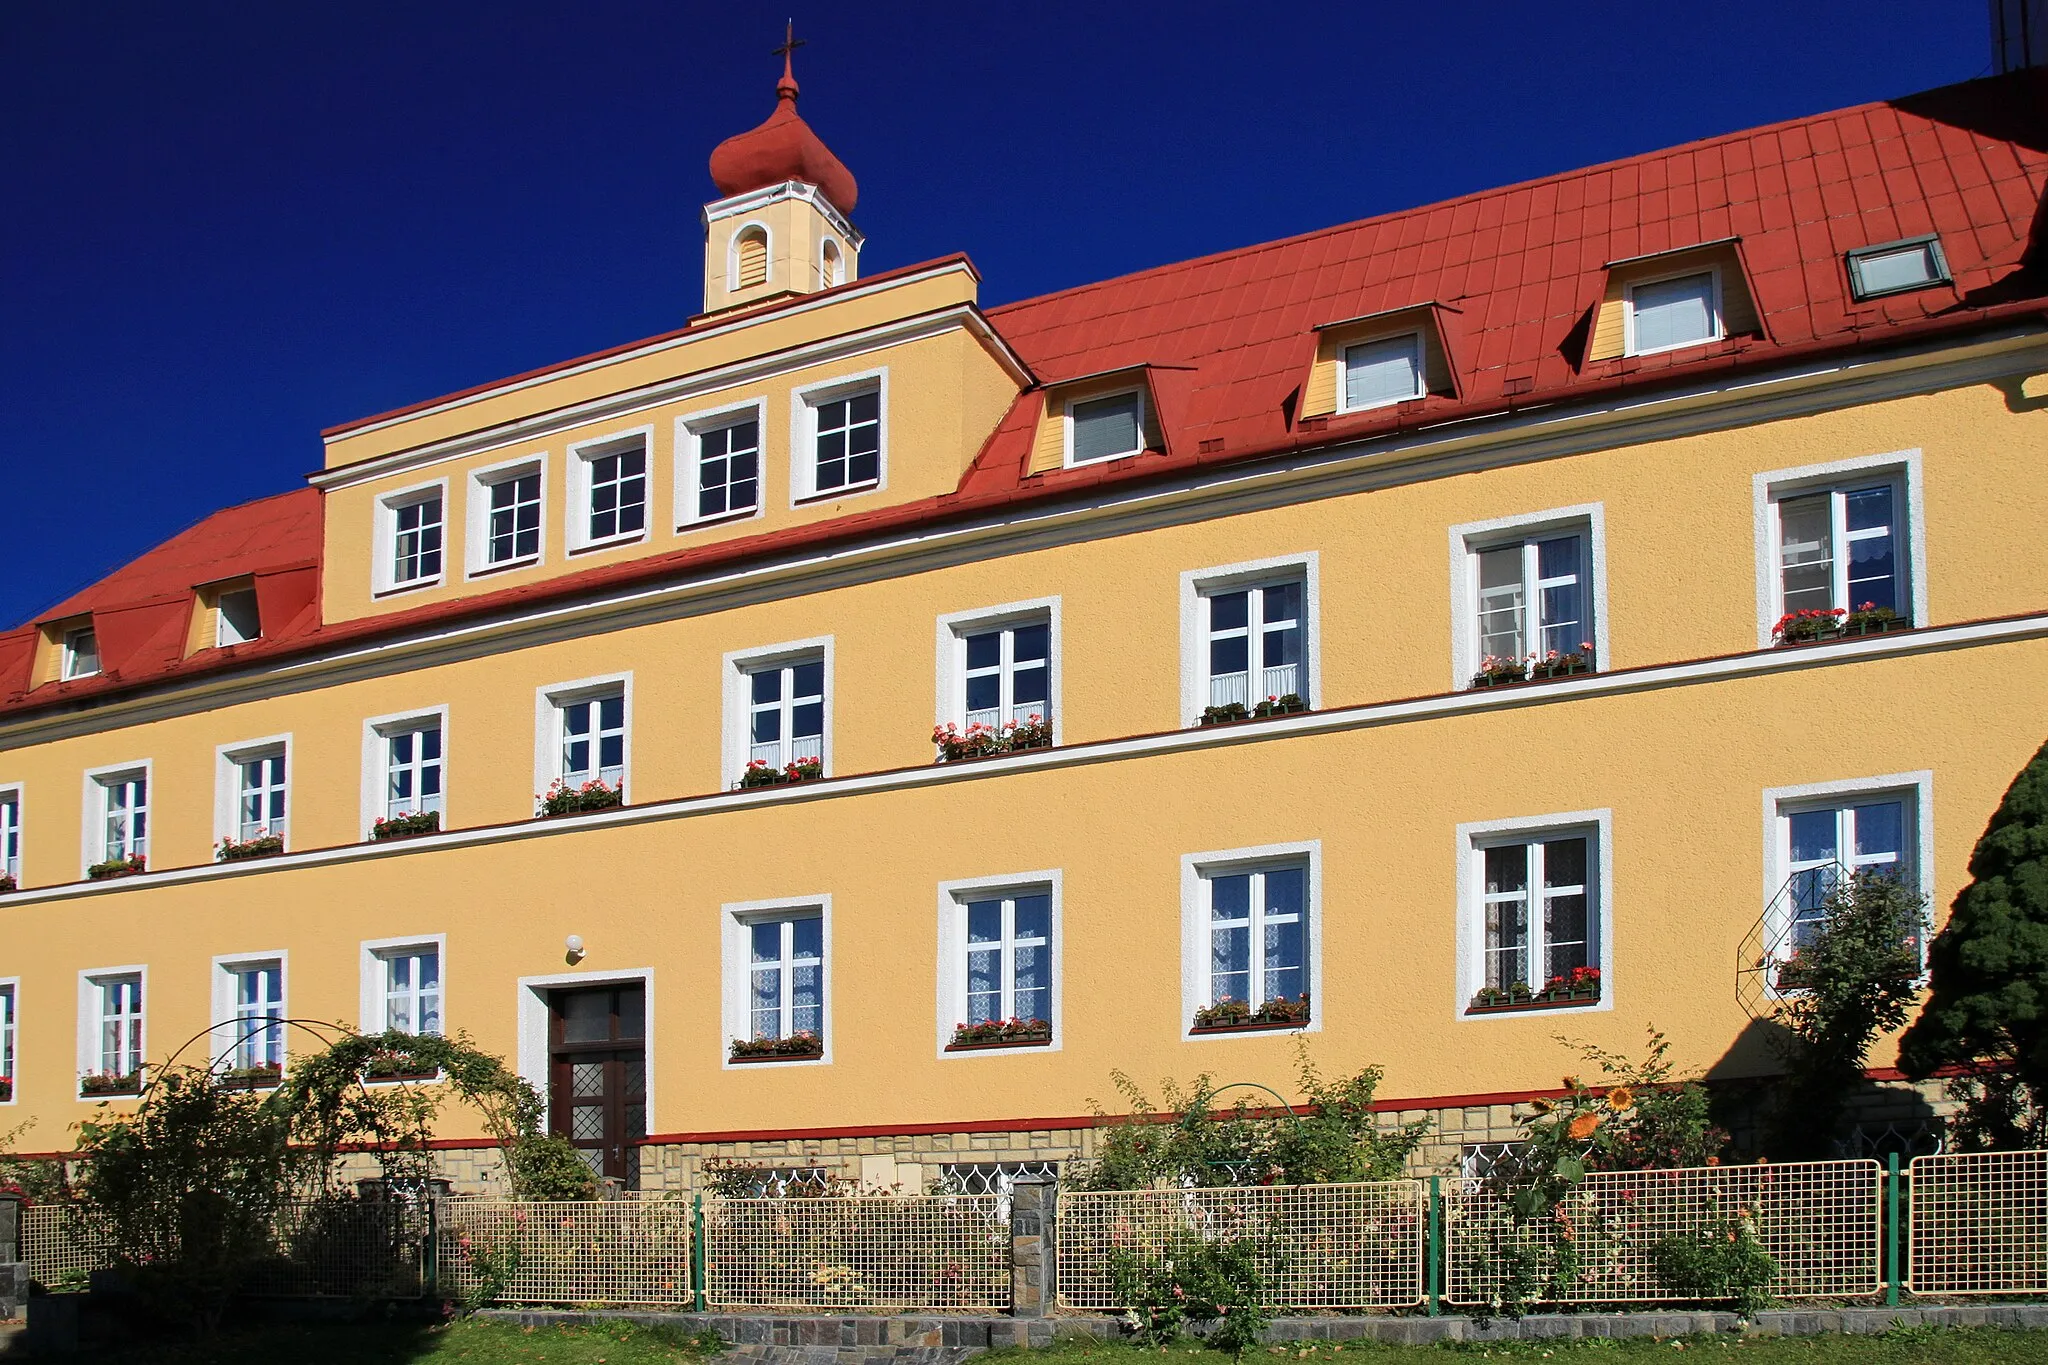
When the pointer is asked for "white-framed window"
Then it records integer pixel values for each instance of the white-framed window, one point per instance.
(1251, 929)
(747, 259)
(718, 457)
(777, 973)
(81, 652)
(1381, 371)
(841, 436)
(1006, 673)
(1533, 907)
(1254, 638)
(583, 731)
(1673, 311)
(9, 1018)
(120, 815)
(999, 947)
(236, 617)
(1820, 832)
(408, 986)
(831, 264)
(256, 788)
(1840, 537)
(1107, 426)
(507, 514)
(10, 832)
(1896, 267)
(609, 485)
(405, 765)
(1530, 585)
(111, 1018)
(786, 712)
(410, 537)
(249, 1010)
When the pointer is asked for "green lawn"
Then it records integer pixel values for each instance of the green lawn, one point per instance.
(489, 1343)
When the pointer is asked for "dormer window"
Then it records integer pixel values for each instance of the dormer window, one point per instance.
(1896, 267)
(1105, 428)
(81, 653)
(236, 619)
(1383, 371)
(1679, 310)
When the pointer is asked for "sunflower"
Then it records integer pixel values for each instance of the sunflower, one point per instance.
(1541, 1106)
(1621, 1099)
(1584, 1126)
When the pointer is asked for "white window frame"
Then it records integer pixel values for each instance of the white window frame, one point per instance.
(803, 435)
(732, 261)
(1344, 370)
(477, 519)
(690, 428)
(92, 848)
(227, 786)
(373, 954)
(13, 824)
(1628, 307)
(1469, 539)
(1195, 870)
(383, 576)
(581, 456)
(736, 918)
(1767, 490)
(10, 1036)
(1914, 790)
(1136, 391)
(951, 649)
(222, 625)
(90, 982)
(376, 757)
(227, 1031)
(828, 276)
(68, 668)
(531, 1006)
(951, 1000)
(1474, 838)
(735, 686)
(1198, 584)
(548, 702)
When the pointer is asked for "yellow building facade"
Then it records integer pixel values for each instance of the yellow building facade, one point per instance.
(1547, 747)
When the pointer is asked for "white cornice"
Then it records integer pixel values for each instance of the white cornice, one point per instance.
(612, 407)
(690, 337)
(1759, 663)
(789, 189)
(1333, 471)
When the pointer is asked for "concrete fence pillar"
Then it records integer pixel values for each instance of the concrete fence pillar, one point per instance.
(1032, 1259)
(13, 1274)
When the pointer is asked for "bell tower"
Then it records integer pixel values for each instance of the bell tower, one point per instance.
(781, 225)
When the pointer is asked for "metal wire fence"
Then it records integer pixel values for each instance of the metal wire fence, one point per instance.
(626, 1252)
(1979, 1224)
(60, 1245)
(1316, 1246)
(931, 1252)
(1818, 1220)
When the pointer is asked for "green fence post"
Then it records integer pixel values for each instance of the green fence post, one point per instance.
(697, 1251)
(1893, 1274)
(1434, 1263)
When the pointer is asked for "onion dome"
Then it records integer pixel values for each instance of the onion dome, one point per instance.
(782, 148)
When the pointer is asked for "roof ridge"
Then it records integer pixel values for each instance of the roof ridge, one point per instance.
(1496, 191)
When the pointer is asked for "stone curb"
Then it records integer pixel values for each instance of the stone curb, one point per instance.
(817, 1340)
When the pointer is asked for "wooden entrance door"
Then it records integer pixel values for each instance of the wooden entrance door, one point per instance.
(597, 1085)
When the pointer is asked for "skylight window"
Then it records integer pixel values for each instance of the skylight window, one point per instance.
(1664, 315)
(1106, 428)
(1377, 373)
(1896, 267)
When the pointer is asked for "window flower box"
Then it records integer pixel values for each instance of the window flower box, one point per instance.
(563, 799)
(994, 1033)
(760, 773)
(405, 825)
(986, 741)
(7, 883)
(1580, 987)
(392, 1066)
(797, 1047)
(1792, 974)
(1241, 1016)
(1871, 619)
(1496, 670)
(265, 1077)
(262, 846)
(1289, 705)
(95, 1084)
(6, 1089)
(117, 867)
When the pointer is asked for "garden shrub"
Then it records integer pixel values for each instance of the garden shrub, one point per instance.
(1723, 1261)
(1193, 1283)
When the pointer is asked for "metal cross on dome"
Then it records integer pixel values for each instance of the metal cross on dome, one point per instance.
(790, 42)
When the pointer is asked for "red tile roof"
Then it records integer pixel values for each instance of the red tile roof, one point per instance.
(1516, 272)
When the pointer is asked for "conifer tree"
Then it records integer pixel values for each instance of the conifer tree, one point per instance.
(1987, 1007)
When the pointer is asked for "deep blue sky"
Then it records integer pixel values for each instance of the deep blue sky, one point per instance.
(224, 226)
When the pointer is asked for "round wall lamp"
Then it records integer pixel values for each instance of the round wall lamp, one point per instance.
(574, 943)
